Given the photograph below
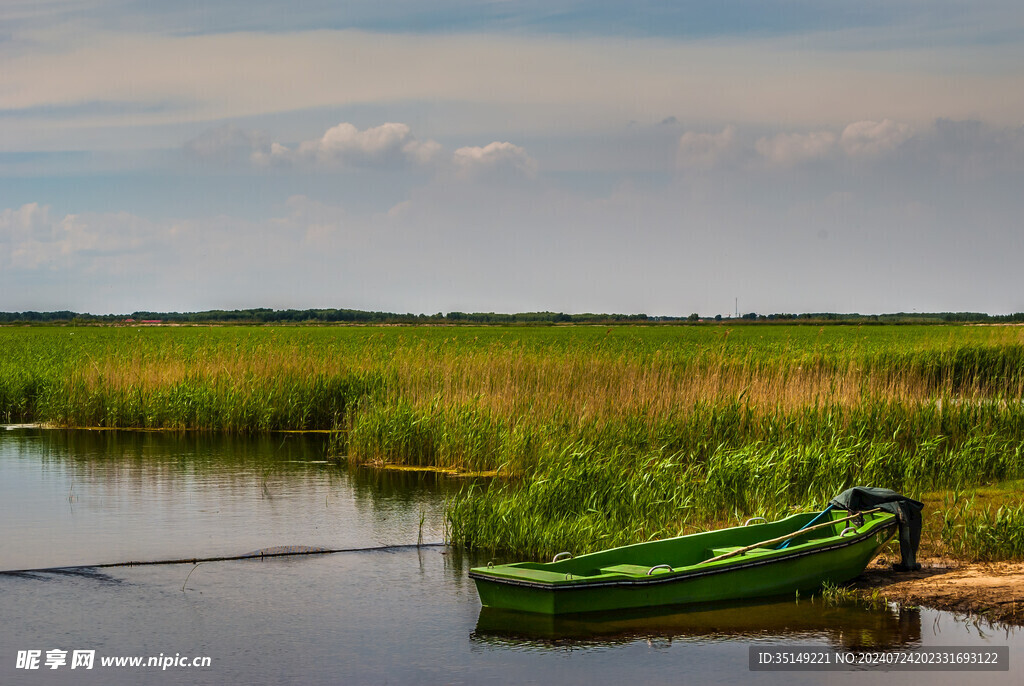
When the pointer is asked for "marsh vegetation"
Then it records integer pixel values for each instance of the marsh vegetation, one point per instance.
(600, 436)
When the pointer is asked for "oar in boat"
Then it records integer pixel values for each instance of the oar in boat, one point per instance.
(779, 539)
(821, 514)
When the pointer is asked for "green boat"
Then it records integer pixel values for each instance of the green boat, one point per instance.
(798, 553)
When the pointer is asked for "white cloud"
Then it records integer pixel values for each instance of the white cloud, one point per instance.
(787, 149)
(277, 156)
(496, 157)
(390, 145)
(30, 221)
(706, 150)
(389, 142)
(37, 240)
(872, 138)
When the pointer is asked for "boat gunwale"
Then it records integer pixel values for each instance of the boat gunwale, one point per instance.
(695, 572)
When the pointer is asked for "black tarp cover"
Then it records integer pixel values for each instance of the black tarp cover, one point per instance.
(907, 511)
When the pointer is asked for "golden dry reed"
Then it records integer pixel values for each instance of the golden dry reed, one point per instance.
(569, 374)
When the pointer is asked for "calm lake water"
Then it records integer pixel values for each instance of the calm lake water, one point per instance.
(404, 616)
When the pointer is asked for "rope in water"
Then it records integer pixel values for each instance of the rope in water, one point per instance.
(279, 551)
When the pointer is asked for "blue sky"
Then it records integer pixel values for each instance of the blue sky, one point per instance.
(509, 156)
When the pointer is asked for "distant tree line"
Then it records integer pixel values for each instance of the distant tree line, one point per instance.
(264, 315)
(341, 316)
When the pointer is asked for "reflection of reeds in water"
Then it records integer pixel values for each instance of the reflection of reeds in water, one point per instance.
(845, 626)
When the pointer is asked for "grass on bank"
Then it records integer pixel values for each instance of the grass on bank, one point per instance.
(983, 524)
(583, 499)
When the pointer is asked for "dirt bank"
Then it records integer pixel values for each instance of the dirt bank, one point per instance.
(994, 590)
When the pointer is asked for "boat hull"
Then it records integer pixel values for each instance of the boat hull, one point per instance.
(592, 583)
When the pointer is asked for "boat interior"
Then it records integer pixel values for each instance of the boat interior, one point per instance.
(720, 547)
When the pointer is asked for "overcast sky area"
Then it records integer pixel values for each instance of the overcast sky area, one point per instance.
(575, 156)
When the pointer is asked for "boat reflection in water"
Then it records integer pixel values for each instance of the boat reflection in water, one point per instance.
(844, 627)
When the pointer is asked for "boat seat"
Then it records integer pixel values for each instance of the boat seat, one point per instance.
(715, 552)
(632, 570)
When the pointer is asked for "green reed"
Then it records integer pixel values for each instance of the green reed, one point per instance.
(988, 532)
(253, 379)
(583, 499)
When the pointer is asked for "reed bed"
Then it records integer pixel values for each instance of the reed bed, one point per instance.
(602, 436)
(981, 529)
(109, 376)
(585, 499)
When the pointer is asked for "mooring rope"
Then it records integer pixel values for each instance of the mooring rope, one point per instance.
(263, 553)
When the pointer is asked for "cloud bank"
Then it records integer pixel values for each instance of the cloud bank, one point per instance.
(787, 149)
(388, 145)
(94, 80)
(493, 158)
(946, 142)
(872, 138)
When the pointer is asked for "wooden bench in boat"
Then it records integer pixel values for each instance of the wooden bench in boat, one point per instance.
(715, 552)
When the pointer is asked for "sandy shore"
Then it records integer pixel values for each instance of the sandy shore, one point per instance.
(994, 590)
